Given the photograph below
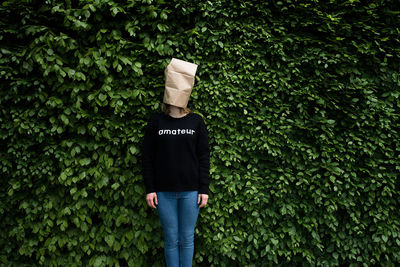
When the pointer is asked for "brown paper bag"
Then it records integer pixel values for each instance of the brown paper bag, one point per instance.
(179, 81)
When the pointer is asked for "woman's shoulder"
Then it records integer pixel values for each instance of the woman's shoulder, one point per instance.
(198, 117)
(161, 115)
(153, 117)
(156, 115)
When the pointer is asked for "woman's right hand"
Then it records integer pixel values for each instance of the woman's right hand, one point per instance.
(150, 199)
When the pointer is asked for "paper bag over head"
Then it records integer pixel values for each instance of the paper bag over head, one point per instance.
(179, 81)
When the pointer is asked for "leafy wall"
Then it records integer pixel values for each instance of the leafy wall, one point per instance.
(300, 97)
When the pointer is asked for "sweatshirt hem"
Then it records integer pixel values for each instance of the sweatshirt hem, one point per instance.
(168, 189)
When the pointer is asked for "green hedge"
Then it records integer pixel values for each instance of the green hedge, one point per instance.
(300, 97)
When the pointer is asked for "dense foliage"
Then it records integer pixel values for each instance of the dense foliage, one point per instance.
(300, 97)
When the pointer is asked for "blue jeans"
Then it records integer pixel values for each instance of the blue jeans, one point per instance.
(178, 212)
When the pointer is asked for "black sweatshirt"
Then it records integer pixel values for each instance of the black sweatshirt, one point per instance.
(176, 155)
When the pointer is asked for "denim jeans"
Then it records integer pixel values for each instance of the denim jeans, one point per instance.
(178, 212)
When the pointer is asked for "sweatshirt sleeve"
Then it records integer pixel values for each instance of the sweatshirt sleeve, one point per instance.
(203, 153)
(148, 152)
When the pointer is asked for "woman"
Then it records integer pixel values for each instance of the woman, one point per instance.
(176, 165)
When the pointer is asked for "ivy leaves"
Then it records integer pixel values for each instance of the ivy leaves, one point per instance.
(300, 99)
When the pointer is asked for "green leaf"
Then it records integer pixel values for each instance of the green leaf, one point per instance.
(102, 97)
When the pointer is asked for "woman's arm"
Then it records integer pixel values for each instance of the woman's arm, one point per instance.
(203, 153)
(148, 156)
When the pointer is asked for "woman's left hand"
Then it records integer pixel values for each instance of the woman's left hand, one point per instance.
(203, 198)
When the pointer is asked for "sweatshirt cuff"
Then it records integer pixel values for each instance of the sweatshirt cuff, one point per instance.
(150, 190)
(203, 189)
